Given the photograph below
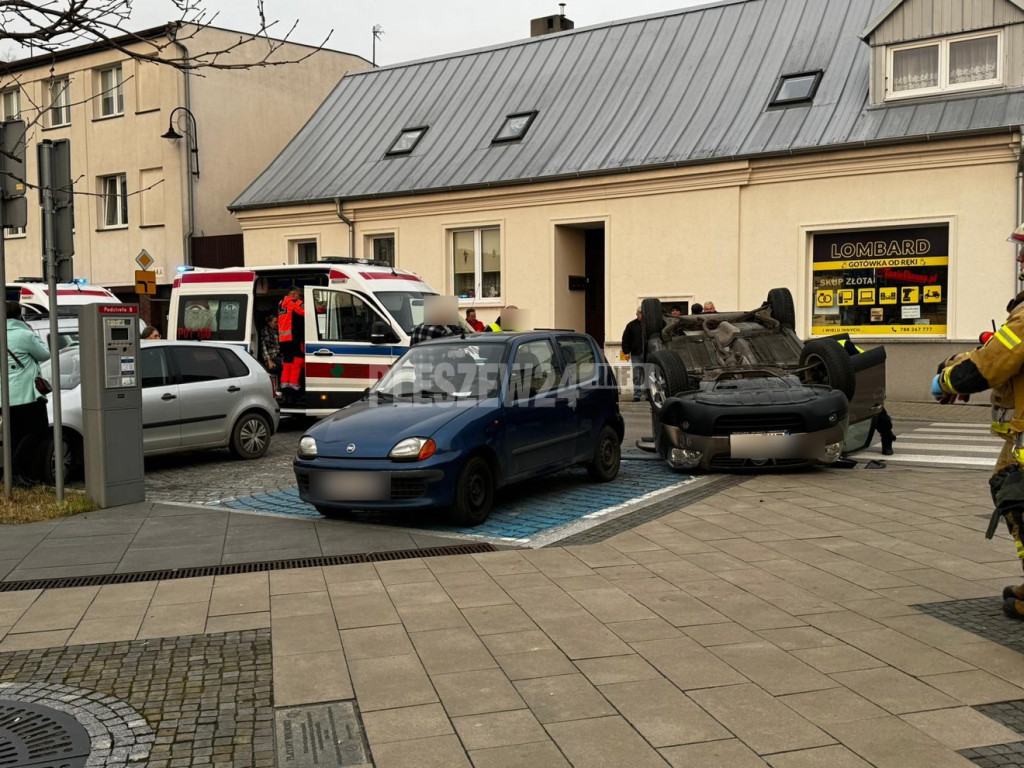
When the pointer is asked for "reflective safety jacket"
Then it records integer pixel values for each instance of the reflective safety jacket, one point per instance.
(492, 328)
(290, 319)
(997, 365)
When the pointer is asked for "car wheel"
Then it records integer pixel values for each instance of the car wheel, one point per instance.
(780, 300)
(474, 493)
(250, 438)
(48, 462)
(829, 364)
(651, 317)
(331, 512)
(607, 455)
(666, 377)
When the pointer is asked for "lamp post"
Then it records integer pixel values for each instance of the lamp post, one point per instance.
(190, 129)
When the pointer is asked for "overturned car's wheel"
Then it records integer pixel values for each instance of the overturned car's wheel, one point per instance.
(830, 365)
(666, 377)
(651, 318)
(780, 301)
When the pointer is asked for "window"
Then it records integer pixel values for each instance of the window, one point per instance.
(60, 102)
(406, 307)
(12, 232)
(303, 251)
(196, 364)
(342, 316)
(406, 141)
(115, 201)
(212, 318)
(153, 367)
(383, 249)
(10, 101)
(235, 365)
(951, 64)
(476, 263)
(515, 127)
(578, 354)
(534, 370)
(111, 92)
(796, 89)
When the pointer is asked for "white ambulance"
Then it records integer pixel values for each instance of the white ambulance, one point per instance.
(358, 319)
(34, 297)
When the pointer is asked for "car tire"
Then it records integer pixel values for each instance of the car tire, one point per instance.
(47, 465)
(250, 437)
(830, 365)
(474, 493)
(651, 317)
(780, 300)
(666, 377)
(604, 467)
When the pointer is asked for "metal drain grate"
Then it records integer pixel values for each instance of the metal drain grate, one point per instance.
(227, 570)
(32, 736)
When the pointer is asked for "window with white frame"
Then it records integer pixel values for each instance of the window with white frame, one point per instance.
(10, 102)
(60, 102)
(304, 251)
(945, 65)
(114, 192)
(476, 263)
(10, 232)
(111, 91)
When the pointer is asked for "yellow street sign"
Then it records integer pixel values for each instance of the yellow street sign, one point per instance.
(910, 295)
(888, 295)
(145, 283)
(865, 296)
(933, 294)
(845, 297)
(825, 298)
(144, 260)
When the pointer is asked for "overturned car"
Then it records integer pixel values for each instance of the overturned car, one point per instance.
(740, 390)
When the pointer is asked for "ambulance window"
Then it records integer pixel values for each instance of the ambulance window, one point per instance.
(212, 318)
(342, 316)
(405, 306)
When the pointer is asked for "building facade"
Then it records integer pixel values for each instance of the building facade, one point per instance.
(136, 190)
(865, 155)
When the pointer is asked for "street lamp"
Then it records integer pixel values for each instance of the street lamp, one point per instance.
(190, 129)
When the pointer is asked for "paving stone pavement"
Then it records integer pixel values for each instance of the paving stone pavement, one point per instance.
(776, 622)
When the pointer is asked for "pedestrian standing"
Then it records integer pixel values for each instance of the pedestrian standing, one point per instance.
(25, 350)
(149, 333)
(634, 346)
(270, 347)
(709, 306)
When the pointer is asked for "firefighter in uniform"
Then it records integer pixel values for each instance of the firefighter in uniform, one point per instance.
(999, 365)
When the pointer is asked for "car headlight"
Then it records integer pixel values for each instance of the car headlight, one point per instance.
(413, 449)
(307, 448)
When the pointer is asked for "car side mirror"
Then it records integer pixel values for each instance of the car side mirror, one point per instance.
(381, 333)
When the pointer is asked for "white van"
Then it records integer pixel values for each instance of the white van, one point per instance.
(34, 297)
(358, 319)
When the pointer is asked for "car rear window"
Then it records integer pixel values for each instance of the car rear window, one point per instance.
(236, 367)
(212, 318)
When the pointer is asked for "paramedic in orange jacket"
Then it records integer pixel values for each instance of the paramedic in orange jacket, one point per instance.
(291, 316)
(999, 365)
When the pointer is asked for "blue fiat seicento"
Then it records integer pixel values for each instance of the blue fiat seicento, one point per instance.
(454, 419)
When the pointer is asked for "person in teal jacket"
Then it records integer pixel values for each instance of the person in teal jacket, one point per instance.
(29, 420)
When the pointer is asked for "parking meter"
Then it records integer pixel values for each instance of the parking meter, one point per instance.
(108, 336)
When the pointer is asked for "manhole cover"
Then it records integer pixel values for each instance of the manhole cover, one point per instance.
(321, 736)
(32, 736)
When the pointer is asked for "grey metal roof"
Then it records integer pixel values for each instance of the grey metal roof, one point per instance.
(689, 86)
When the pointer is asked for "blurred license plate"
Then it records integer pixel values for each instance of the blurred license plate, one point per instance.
(761, 445)
(353, 486)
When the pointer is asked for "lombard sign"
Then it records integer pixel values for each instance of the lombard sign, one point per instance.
(900, 275)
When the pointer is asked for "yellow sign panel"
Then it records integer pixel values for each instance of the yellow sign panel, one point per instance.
(866, 296)
(900, 263)
(145, 283)
(880, 330)
(933, 294)
(825, 298)
(888, 295)
(910, 294)
(845, 297)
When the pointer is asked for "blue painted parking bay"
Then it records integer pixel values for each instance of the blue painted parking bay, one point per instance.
(536, 512)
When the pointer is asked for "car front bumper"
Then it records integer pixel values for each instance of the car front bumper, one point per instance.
(377, 484)
(683, 450)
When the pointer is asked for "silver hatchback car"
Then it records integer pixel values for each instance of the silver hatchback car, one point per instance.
(195, 395)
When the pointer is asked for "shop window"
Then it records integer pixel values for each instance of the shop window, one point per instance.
(891, 282)
(515, 127)
(406, 141)
(476, 263)
(940, 66)
(796, 89)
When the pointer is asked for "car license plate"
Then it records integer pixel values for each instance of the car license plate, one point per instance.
(761, 445)
(353, 486)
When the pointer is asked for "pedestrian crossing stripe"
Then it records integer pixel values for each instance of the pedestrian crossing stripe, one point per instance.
(941, 444)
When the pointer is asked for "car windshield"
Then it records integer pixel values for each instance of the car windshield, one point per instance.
(405, 306)
(70, 369)
(460, 371)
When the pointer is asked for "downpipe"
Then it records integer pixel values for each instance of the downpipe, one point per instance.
(351, 227)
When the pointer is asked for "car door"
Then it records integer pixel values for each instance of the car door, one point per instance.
(208, 394)
(161, 404)
(539, 422)
(341, 359)
(587, 400)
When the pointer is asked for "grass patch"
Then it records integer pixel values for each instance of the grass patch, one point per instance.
(30, 505)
